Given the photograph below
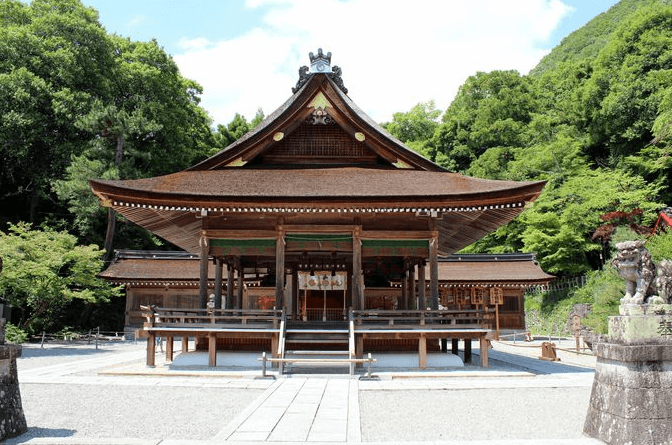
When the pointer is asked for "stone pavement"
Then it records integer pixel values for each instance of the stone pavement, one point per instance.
(319, 408)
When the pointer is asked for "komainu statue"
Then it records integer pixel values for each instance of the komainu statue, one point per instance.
(664, 281)
(634, 265)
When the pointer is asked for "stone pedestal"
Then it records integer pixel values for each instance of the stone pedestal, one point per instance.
(12, 420)
(631, 399)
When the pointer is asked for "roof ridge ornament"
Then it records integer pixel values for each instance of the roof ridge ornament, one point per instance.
(320, 64)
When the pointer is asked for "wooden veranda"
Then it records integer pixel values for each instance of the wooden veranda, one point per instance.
(420, 326)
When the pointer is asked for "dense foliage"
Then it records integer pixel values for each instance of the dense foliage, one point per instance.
(43, 270)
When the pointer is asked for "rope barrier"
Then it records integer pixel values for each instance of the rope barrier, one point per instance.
(572, 351)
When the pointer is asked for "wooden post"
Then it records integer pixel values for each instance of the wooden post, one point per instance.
(455, 346)
(434, 270)
(422, 351)
(357, 291)
(185, 343)
(485, 344)
(229, 285)
(212, 349)
(169, 348)
(292, 307)
(219, 266)
(467, 350)
(151, 349)
(240, 283)
(279, 265)
(404, 291)
(203, 284)
(411, 286)
(421, 286)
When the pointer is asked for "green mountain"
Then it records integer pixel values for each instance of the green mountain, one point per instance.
(587, 41)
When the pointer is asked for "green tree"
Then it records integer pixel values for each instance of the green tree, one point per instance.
(55, 58)
(490, 110)
(45, 269)
(149, 124)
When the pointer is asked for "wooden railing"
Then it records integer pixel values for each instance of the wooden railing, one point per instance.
(427, 318)
(194, 318)
(329, 314)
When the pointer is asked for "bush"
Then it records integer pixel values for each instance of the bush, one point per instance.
(14, 334)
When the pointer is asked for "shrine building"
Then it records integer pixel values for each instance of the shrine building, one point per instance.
(325, 208)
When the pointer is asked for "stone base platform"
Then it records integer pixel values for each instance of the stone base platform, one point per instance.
(631, 398)
(12, 419)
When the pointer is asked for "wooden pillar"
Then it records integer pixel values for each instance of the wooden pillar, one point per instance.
(219, 266)
(169, 348)
(485, 344)
(212, 349)
(229, 285)
(434, 270)
(357, 291)
(467, 350)
(455, 346)
(421, 286)
(239, 286)
(279, 265)
(404, 292)
(185, 343)
(203, 284)
(151, 349)
(411, 286)
(422, 351)
(295, 295)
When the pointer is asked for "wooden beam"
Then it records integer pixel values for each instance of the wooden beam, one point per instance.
(203, 284)
(185, 343)
(240, 234)
(279, 265)
(306, 229)
(397, 234)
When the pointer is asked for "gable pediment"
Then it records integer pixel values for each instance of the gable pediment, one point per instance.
(319, 125)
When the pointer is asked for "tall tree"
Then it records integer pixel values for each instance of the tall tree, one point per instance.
(55, 58)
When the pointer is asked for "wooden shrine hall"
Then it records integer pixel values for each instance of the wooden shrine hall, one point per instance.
(319, 196)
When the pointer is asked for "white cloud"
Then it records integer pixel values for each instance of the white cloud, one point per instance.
(393, 53)
(136, 21)
(193, 44)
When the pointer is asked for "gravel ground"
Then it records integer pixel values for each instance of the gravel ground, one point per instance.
(520, 413)
(58, 405)
(97, 411)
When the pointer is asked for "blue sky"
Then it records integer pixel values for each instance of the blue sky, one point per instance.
(393, 53)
